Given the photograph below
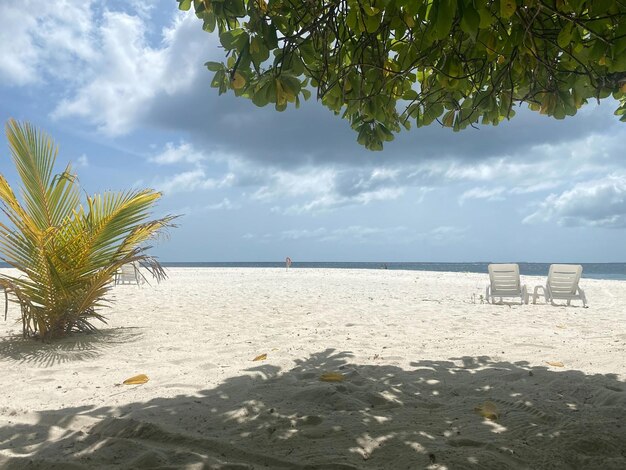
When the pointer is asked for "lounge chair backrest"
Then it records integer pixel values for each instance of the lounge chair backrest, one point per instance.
(128, 274)
(128, 270)
(504, 278)
(563, 278)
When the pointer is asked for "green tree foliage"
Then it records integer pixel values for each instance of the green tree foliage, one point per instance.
(67, 253)
(386, 63)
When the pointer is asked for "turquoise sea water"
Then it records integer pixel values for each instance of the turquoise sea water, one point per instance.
(590, 270)
(615, 271)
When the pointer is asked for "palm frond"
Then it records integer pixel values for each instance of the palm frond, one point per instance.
(68, 253)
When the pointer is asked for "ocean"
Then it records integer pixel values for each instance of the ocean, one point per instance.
(615, 271)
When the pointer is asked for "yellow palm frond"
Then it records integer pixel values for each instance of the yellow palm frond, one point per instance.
(68, 253)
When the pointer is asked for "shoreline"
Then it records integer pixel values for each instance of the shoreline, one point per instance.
(590, 270)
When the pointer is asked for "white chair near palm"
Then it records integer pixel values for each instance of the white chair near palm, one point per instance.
(128, 274)
(504, 281)
(562, 284)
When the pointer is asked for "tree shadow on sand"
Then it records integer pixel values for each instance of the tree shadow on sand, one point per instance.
(378, 417)
(77, 347)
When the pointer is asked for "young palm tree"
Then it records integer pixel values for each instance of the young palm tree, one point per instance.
(67, 253)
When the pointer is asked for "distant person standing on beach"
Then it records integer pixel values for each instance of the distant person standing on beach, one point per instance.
(287, 263)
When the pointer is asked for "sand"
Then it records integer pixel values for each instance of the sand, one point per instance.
(418, 352)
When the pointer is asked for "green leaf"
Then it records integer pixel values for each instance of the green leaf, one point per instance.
(269, 35)
(209, 22)
(371, 23)
(600, 7)
(486, 18)
(619, 64)
(200, 6)
(443, 12)
(234, 39)
(258, 51)
(218, 79)
(370, 11)
(470, 22)
(184, 5)
(235, 8)
(214, 66)
(448, 118)
(565, 36)
(507, 8)
(352, 19)
(259, 96)
(410, 95)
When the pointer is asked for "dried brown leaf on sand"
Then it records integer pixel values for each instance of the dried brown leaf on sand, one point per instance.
(260, 357)
(488, 410)
(331, 377)
(136, 380)
(555, 363)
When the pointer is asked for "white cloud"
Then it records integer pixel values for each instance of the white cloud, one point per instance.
(192, 180)
(127, 73)
(302, 234)
(332, 201)
(184, 152)
(490, 194)
(359, 233)
(597, 203)
(185, 181)
(142, 8)
(444, 234)
(83, 161)
(44, 40)
(353, 233)
(535, 187)
(306, 181)
(364, 234)
(224, 204)
(327, 188)
(491, 170)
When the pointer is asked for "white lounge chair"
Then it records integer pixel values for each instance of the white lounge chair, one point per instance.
(128, 274)
(504, 281)
(562, 284)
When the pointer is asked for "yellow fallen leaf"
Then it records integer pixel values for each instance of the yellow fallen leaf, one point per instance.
(488, 410)
(136, 380)
(331, 377)
(555, 363)
(260, 357)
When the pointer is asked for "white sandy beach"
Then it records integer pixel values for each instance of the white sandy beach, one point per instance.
(418, 352)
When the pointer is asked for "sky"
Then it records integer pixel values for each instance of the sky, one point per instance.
(122, 88)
